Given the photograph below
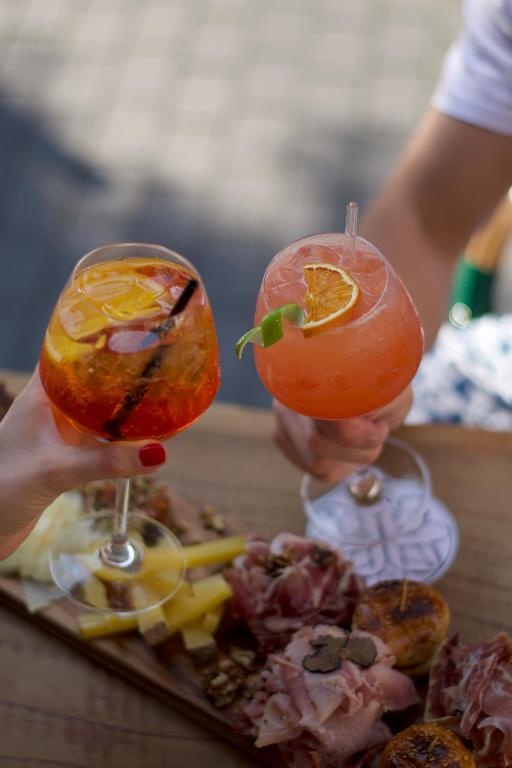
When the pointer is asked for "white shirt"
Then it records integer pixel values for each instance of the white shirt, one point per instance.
(476, 82)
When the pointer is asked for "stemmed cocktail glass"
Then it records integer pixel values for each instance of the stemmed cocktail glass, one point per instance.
(130, 353)
(354, 365)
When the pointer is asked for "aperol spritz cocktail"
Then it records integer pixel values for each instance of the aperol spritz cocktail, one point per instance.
(130, 354)
(356, 365)
(100, 339)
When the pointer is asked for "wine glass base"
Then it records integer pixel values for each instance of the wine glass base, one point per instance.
(424, 554)
(79, 567)
(404, 491)
(130, 556)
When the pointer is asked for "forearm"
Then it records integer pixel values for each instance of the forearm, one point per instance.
(25, 456)
(393, 225)
(449, 180)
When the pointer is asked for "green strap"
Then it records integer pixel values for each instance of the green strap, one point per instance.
(471, 291)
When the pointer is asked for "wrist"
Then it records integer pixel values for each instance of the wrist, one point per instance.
(21, 504)
(8, 544)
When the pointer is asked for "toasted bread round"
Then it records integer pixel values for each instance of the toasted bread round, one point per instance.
(426, 746)
(410, 617)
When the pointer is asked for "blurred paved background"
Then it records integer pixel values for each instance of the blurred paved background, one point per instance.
(221, 128)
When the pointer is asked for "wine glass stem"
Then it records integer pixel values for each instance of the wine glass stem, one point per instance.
(365, 486)
(119, 553)
(119, 537)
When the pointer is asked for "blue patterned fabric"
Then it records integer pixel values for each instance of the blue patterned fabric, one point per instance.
(467, 376)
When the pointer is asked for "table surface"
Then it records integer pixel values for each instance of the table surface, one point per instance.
(60, 709)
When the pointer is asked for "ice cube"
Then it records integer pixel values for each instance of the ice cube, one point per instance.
(134, 299)
(81, 319)
(128, 342)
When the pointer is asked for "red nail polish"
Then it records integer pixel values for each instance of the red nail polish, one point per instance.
(152, 455)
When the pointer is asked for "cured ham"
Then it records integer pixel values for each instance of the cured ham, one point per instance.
(290, 582)
(474, 684)
(328, 719)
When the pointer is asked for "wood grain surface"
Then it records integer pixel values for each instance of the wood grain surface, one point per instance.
(57, 708)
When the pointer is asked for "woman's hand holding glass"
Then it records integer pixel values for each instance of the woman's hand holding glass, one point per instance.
(130, 354)
(39, 460)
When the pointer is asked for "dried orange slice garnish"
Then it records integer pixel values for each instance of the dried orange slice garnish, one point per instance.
(331, 293)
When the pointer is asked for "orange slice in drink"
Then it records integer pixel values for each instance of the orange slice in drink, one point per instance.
(60, 348)
(103, 300)
(331, 293)
(122, 297)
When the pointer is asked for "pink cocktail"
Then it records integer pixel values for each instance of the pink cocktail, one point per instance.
(337, 336)
(362, 363)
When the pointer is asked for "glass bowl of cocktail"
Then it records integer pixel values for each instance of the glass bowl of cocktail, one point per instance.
(337, 336)
(130, 353)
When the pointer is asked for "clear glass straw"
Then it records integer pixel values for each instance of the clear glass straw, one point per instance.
(351, 219)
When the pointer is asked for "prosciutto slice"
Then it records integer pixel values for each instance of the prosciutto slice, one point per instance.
(474, 682)
(327, 720)
(290, 582)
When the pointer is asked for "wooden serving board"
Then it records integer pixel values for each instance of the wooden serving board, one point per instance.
(167, 673)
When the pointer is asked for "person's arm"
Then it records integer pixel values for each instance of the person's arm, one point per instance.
(448, 182)
(37, 463)
(450, 179)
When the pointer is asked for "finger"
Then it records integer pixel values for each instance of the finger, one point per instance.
(298, 430)
(68, 432)
(337, 471)
(34, 388)
(299, 439)
(323, 468)
(395, 413)
(362, 433)
(286, 446)
(102, 462)
(334, 450)
(308, 447)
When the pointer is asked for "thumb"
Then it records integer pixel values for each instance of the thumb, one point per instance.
(107, 461)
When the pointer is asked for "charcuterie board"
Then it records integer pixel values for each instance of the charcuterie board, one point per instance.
(166, 672)
(227, 460)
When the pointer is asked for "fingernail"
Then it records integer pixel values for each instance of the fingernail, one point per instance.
(152, 455)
